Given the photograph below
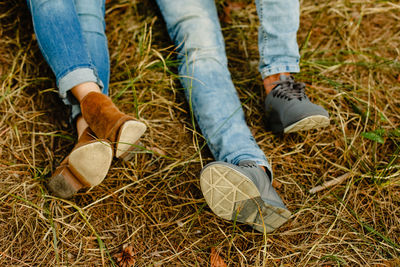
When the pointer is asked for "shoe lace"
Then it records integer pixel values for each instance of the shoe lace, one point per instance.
(248, 164)
(289, 89)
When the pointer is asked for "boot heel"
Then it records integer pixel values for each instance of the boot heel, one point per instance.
(128, 155)
(63, 183)
(129, 134)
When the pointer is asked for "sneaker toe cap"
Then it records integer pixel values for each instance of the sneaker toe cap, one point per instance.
(302, 110)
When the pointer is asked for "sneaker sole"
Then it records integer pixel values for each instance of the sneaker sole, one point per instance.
(233, 196)
(129, 134)
(311, 122)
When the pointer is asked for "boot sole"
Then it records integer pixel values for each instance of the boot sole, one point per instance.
(63, 183)
(233, 196)
(87, 166)
(311, 122)
(129, 134)
(91, 162)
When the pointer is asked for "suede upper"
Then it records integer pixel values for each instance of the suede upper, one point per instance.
(103, 117)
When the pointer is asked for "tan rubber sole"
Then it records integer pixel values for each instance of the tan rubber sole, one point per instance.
(129, 134)
(90, 163)
(312, 122)
(233, 196)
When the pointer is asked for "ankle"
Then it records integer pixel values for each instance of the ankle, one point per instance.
(81, 125)
(269, 81)
(83, 89)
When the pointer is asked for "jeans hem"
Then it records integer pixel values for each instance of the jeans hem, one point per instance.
(237, 157)
(267, 71)
(72, 79)
(76, 77)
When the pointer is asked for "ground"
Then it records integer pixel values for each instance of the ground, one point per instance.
(153, 204)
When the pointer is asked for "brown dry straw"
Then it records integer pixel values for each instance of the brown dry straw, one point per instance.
(350, 62)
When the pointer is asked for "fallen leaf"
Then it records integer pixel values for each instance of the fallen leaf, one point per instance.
(276, 184)
(229, 6)
(126, 258)
(216, 260)
(398, 78)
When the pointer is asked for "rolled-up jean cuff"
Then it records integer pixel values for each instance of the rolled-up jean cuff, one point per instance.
(278, 69)
(75, 77)
(261, 160)
(72, 79)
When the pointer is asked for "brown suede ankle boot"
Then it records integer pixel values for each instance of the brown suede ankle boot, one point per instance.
(87, 165)
(107, 122)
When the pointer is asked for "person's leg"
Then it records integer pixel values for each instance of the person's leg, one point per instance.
(279, 22)
(79, 92)
(229, 185)
(91, 17)
(63, 45)
(113, 125)
(194, 27)
(66, 47)
(288, 108)
(62, 29)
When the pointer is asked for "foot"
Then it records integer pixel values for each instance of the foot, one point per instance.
(86, 166)
(108, 122)
(243, 193)
(288, 109)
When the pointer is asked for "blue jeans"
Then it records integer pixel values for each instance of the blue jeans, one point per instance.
(194, 27)
(71, 36)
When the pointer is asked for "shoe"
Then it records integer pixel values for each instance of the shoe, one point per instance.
(107, 122)
(288, 109)
(243, 193)
(86, 166)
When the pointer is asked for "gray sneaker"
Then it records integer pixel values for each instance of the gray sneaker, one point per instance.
(243, 193)
(288, 108)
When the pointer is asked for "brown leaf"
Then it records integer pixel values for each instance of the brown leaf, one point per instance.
(216, 260)
(126, 258)
(229, 6)
(398, 78)
(276, 184)
(337, 143)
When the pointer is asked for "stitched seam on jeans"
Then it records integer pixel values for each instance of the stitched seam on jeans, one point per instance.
(264, 37)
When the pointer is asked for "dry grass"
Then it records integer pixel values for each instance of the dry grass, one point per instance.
(350, 59)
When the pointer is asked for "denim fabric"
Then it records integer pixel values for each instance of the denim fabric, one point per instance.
(194, 27)
(71, 36)
(277, 43)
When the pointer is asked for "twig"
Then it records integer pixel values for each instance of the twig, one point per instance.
(330, 183)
